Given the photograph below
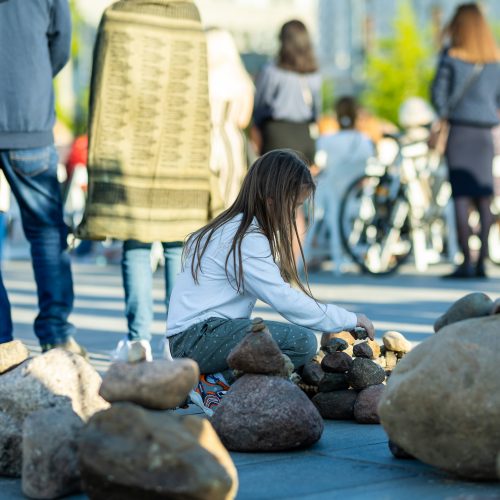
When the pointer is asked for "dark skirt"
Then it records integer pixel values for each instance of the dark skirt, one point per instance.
(277, 134)
(469, 155)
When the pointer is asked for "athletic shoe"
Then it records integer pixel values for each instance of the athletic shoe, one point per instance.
(212, 388)
(132, 351)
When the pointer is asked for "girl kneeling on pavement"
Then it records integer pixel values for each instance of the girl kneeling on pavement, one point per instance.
(246, 254)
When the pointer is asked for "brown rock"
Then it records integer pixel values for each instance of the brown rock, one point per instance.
(375, 347)
(257, 353)
(363, 350)
(442, 402)
(128, 452)
(159, 385)
(390, 360)
(12, 354)
(396, 342)
(338, 405)
(337, 362)
(56, 379)
(333, 382)
(312, 373)
(50, 458)
(365, 408)
(263, 413)
(363, 373)
(473, 305)
(344, 335)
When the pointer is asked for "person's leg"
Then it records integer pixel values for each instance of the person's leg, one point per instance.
(210, 342)
(32, 175)
(486, 219)
(5, 316)
(3, 232)
(138, 287)
(462, 205)
(173, 255)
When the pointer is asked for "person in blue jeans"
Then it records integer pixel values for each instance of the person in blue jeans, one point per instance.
(35, 38)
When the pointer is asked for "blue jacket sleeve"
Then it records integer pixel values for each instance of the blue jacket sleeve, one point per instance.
(441, 87)
(59, 35)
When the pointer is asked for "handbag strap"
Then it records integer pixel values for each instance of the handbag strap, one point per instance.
(471, 78)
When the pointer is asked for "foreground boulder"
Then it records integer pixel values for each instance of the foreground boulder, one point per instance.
(12, 353)
(473, 305)
(128, 452)
(50, 458)
(264, 413)
(160, 384)
(442, 403)
(57, 378)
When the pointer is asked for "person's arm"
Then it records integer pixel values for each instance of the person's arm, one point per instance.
(59, 35)
(264, 90)
(441, 87)
(262, 279)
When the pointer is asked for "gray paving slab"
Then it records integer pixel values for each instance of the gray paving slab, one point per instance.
(351, 461)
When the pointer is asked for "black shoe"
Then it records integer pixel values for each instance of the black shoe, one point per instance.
(480, 271)
(464, 271)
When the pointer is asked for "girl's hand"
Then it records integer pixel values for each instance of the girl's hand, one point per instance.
(364, 322)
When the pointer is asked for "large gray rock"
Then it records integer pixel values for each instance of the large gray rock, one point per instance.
(158, 385)
(128, 452)
(264, 413)
(442, 402)
(365, 408)
(57, 378)
(363, 373)
(50, 453)
(473, 305)
(12, 353)
(337, 405)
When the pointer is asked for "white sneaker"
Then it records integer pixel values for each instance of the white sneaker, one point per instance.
(132, 351)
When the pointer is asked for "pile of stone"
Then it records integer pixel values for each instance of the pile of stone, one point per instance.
(264, 410)
(44, 402)
(346, 380)
(139, 449)
(442, 402)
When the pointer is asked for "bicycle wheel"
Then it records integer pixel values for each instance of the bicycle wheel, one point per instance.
(375, 228)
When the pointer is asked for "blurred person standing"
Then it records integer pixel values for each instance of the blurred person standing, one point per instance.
(341, 157)
(288, 95)
(466, 92)
(4, 207)
(149, 144)
(35, 37)
(231, 103)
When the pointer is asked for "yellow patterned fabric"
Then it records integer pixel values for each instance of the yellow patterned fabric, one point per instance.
(149, 131)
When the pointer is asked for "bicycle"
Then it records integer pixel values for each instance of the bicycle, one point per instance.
(396, 208)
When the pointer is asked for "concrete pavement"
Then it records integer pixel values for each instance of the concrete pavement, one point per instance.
(351, 461)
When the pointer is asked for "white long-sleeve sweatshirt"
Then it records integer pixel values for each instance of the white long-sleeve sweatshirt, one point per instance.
(215, 296)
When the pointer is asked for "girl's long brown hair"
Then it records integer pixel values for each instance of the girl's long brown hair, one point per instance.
(471, 38)
(270, 193)
(296, 51)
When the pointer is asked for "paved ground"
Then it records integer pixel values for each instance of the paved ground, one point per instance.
(351, 461)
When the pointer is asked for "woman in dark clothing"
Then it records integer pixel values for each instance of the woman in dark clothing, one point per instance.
(288, 95)
(466, 91)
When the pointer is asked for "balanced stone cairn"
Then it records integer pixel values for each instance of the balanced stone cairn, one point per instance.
(264, 410)
(447, 388)
(139, 448)
(346, 379)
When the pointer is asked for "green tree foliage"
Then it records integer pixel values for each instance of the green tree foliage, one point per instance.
(399, 67)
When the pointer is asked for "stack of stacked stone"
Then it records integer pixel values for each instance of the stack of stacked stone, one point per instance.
(346, 380)
(137, 449)
(442, 402)
(44, 403)
(264, 410)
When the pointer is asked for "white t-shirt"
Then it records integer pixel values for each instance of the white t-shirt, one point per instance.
(216, 296)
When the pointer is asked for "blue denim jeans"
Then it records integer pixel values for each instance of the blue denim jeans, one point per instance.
(32, 175)
(138, 283)
(3, 232)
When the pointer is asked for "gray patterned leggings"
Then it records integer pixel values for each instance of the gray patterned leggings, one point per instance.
(210, 341)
